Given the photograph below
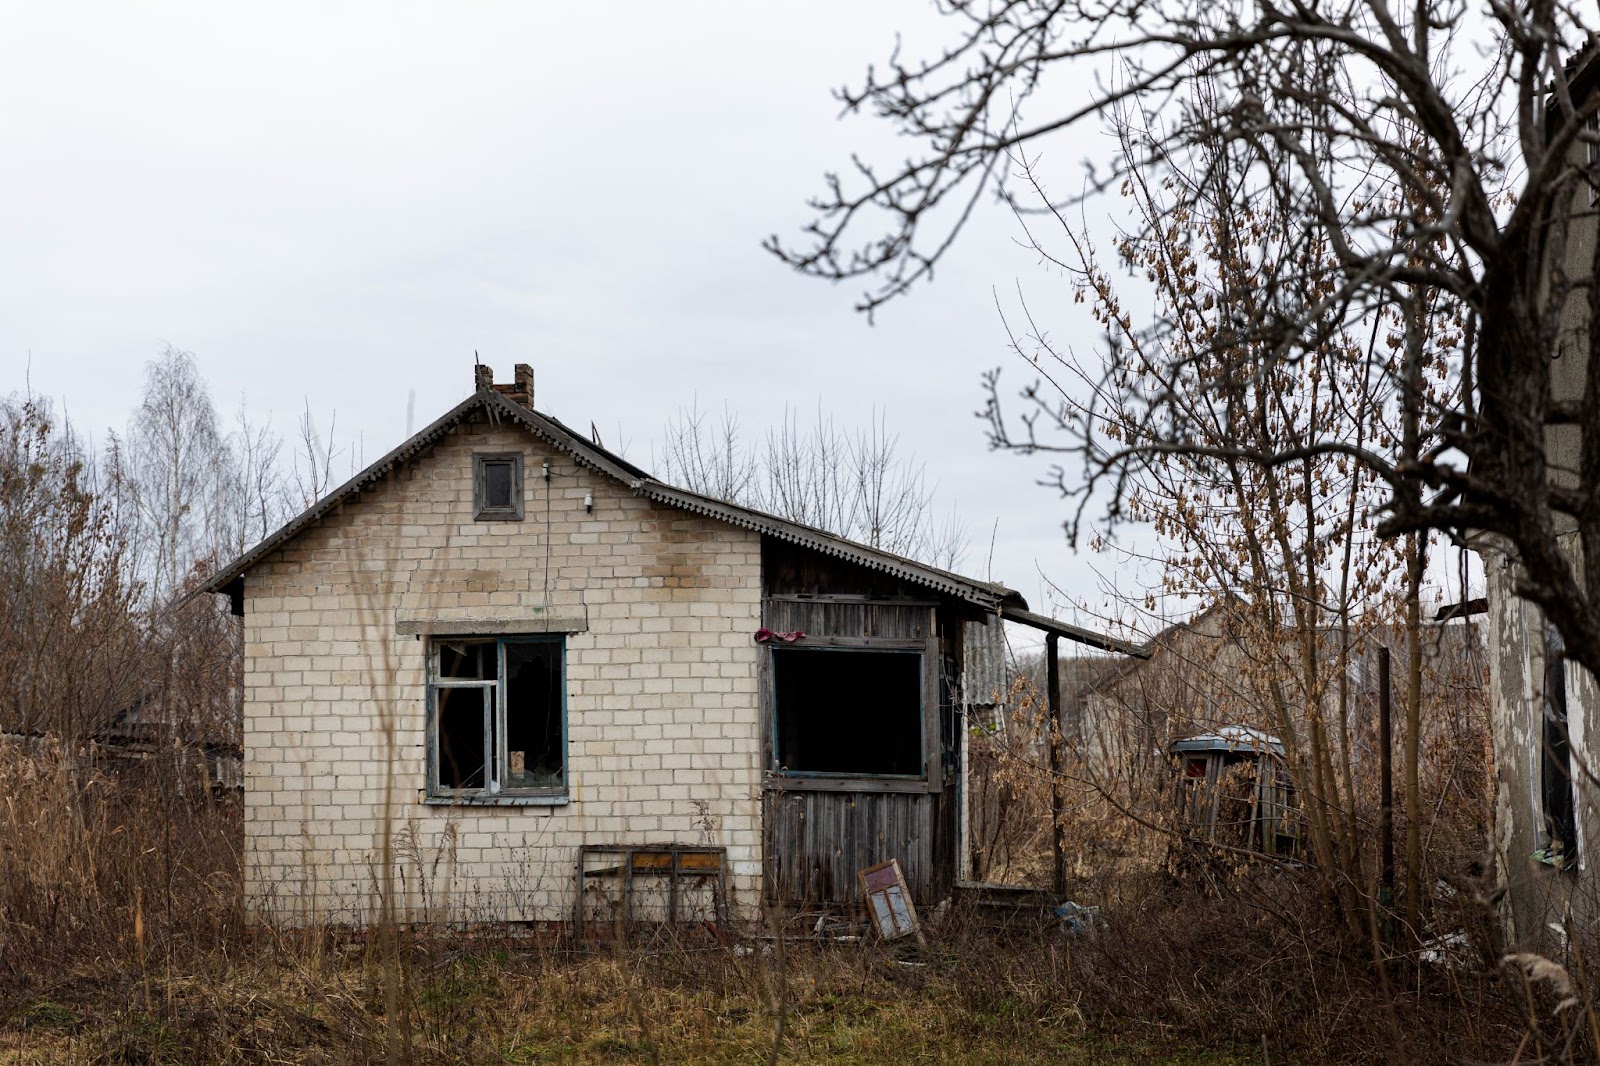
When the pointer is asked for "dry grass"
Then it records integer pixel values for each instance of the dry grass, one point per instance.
(107, 873)
(122, 940)
(500, 1004)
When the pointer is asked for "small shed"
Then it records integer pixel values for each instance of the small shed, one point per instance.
(1234, 789)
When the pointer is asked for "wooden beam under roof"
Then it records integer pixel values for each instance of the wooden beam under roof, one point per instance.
(1072, 632)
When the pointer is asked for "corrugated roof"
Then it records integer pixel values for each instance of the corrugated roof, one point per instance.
(983, 593)
(985, 674)
(1231, 738)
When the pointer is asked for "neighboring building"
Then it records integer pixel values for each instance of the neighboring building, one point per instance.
(1123, 713)
(1234, 789)
(1545, 818)
(1208, 678)
(1543, 708)
(502, 643)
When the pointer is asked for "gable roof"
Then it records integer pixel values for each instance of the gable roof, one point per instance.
(498, 408)
(1118, 669)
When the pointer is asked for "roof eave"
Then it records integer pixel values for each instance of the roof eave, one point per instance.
(992, 597)
(412, 445)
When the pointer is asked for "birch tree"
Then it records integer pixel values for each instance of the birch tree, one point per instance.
(176, 454)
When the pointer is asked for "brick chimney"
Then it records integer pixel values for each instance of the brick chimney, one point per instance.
(520, 390)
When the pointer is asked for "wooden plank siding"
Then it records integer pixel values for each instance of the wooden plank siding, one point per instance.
(819, 841)
(818, 834)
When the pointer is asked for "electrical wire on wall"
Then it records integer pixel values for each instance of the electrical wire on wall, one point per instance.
(546, 535)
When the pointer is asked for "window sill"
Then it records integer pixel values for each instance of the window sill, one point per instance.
(862, 783)
(545, 800)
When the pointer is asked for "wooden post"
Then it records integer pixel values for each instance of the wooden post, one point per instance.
(1386, 795)
(1058, 789)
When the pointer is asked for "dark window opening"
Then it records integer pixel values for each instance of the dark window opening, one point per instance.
(497, 487)
(498, 717)
(848, 712)
(1591, 135)
(462, 737)
(1559, 806)
(497, 484)
(535, 755)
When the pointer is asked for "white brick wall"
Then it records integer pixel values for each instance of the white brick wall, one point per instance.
(663, 723)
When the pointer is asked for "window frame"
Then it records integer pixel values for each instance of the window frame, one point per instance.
(932, 777)
(1555, 786)
(481, 510)
(496, 763)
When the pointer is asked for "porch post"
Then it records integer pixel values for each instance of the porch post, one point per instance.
(1058, 790)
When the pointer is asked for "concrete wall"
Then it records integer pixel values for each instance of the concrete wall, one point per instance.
(1540, 898)
(663, 740)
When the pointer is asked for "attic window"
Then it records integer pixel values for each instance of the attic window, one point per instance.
(497, 487)
(848, 712)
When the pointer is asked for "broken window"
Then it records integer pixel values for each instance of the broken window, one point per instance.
(840, 711)
(497, 487)
(1557, 802)
(498, 718)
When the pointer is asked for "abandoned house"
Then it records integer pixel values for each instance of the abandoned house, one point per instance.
(529, 671)
(1123, 712)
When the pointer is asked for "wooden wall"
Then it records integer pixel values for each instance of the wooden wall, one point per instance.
(819, 835)
(831, 618)
(818, 841)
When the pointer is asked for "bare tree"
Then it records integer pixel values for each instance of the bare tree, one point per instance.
(315, 453)
(175, 453)
(70, 660)
(259, 497)
(1428, 149)
(1288, 548)
(860, 486)
(709, 459)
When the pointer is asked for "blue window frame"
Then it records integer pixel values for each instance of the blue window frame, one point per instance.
(497, 720)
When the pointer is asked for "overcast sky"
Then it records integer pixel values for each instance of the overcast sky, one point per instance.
(338, 203)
